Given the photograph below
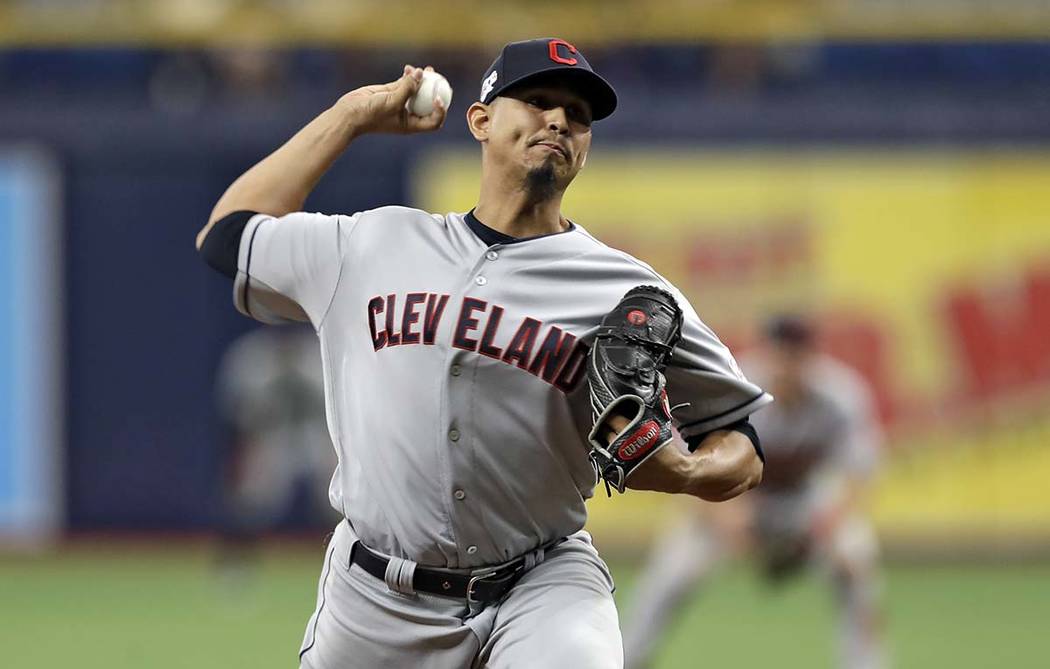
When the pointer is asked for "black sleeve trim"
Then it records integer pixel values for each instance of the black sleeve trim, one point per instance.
(248, 273)
(743, 426)
(222, 244)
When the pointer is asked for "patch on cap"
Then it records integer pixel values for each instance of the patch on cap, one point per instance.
(488, 84)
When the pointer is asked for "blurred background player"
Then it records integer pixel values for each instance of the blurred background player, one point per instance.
(279, 458)
(821, 442)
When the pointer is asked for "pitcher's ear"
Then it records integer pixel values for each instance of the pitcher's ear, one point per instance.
(479, 118)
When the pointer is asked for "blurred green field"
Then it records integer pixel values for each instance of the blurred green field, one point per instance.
(117, 607)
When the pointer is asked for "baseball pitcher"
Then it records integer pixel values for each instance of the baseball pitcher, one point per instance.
(482, 371)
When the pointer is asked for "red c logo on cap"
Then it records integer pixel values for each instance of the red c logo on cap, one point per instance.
(552, 47)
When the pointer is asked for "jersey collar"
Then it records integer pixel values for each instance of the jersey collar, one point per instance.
(491, 237)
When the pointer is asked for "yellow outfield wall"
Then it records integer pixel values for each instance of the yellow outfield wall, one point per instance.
(929, 271)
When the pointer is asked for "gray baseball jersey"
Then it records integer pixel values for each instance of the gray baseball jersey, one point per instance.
(813, 444)
(453, 371)
(832, 426)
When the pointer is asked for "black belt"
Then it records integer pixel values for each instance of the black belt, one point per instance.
(480, 587)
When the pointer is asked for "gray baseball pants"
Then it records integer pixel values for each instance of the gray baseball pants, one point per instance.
(560, 614)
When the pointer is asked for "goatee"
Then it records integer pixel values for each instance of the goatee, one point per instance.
(540, 183)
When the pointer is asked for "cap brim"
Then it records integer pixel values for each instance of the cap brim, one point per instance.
(591, 86)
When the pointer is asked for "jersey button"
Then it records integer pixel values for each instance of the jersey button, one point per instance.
(492, 255)
(460, 495)
(480, 280)
(456, 371)
(453, 435)
(471, 550)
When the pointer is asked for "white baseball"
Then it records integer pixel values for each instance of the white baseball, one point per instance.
(431, 88)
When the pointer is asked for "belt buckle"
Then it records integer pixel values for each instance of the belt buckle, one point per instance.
(473, 581)
(505, 575)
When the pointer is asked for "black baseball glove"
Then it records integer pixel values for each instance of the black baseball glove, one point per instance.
(631, 350)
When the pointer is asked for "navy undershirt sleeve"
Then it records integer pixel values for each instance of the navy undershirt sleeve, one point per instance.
(222, 244)
(742, 426)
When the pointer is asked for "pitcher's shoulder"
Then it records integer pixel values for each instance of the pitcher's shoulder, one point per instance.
(395, 213)
(624, 262)
(395, 222)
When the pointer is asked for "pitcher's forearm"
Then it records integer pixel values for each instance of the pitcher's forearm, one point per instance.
(724, 466)
(669, 470)
(280, 183)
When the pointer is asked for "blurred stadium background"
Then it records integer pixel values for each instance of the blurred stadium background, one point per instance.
(884, 165)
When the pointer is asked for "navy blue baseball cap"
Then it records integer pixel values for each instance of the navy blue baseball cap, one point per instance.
(534, 60)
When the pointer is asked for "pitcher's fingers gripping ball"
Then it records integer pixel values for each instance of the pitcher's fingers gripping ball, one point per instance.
(631, 350)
